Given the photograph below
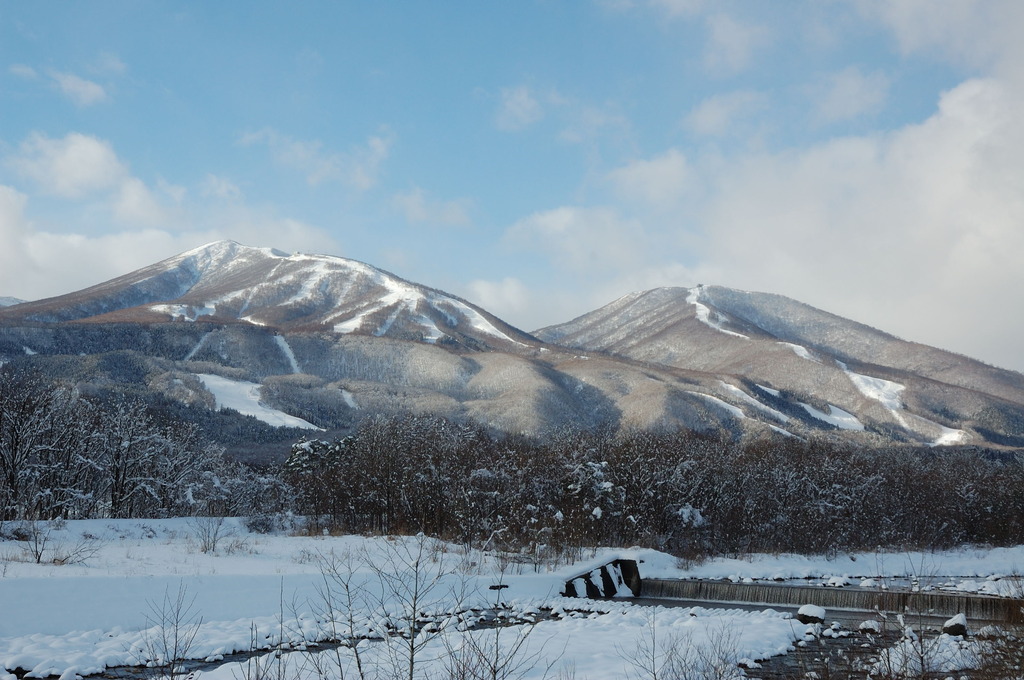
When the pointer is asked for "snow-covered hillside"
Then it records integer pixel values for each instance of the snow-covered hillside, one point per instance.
(837, 371)
(319, 333)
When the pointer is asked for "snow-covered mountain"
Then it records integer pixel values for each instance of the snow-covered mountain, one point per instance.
(8, 301)
(226, 282)
(777, 344)
(323, 341)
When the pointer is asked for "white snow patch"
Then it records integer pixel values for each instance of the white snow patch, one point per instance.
(950, 437)
(199, 345)
(958, 620)
(886, 392)
(747, 399)
(350, 401)
(287, 349)
(350, 325)
(704, 314)
(801, 351)
(769, 390)
(783, 432)
(477, 320)
(321, 271)
(253, 320)
(406, 298)
(732, 410)
(185, 312)
(28, 350)
(836, 416)
(244, 397)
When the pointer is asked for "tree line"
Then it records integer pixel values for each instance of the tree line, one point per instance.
(683, 492)
(63, 455)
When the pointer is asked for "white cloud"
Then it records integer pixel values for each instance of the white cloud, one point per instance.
(13, 227)
(307, 157)
(80, 91)
(134, 204)
(517, 109)
(109, 63)
(215, 186)
(679, 7)
(580, 121)
(359, 168)
(981, 34)
(285, 233)
(586, 123)
(82, 167)
(23, 71)
(71, 167)
(907, 231)
(363, 165)
(508, 298)
(37, 264)
(418, 207)
(915, 230)
(850, 94)
(731, 44)
(659, 183)
(580, 239)
(717, 115)
(175, 192)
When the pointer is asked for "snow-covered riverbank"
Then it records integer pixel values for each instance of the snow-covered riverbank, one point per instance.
(62, 619)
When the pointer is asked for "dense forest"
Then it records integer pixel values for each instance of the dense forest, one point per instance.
(63, 455)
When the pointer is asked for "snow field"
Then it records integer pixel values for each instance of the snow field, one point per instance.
(244, 397)
(79, 618)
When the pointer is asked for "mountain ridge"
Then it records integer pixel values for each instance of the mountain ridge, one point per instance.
(330, 340)
(228, 282)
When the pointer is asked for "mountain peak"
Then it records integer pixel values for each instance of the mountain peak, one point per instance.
(227, 282)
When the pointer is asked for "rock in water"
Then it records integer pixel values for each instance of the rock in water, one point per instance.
(811, 613)
(956, 626)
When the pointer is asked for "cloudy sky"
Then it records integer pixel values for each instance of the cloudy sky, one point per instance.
(540, 158)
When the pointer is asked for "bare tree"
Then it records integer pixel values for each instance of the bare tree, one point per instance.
(412, 585)
(499, 653)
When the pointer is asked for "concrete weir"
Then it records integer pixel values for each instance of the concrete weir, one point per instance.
(975, 607)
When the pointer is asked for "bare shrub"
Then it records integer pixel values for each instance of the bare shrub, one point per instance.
(677, 657)
(208, 532)
(172, 626)
(40, 543)
(500, 653)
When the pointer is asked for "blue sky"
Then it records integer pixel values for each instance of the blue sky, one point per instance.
(539, 158)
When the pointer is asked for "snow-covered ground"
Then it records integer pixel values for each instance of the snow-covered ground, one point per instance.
(78, 617)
